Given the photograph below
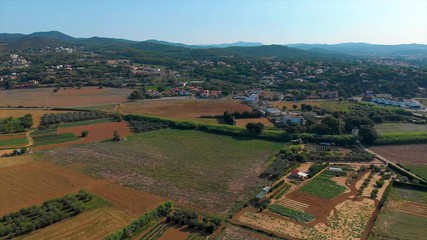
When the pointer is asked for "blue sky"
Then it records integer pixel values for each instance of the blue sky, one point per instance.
(219, 21)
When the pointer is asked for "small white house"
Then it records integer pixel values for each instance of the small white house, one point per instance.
(253, 98)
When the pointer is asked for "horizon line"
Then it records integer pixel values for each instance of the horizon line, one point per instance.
(207, 44)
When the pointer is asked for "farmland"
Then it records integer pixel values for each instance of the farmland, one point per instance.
(14, 142)
(322, 186)
(403, 154)
(333, 212)
(69, 134)
(206, 170)
(405, 214)
(94, 224)
(36, 113)
(242, 122)
(186, 109)
(400, 127)
(71, 97)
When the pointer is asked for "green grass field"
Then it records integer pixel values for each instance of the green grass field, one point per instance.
(13, 142)
(207, 170)
(322, 186)
(333, 106)
(419, 169)
(42, 140)
(401, 194)
(395, 224)
(400, 128)
(287, 212)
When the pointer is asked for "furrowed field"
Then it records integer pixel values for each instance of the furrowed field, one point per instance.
(46, 97)
(206, 170)
(186, 109)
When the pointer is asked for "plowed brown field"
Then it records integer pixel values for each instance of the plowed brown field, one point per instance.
(243, 122)
(45, 97)
(94, 225)
(404, 154)
(31, 184)
(97, 132)
(188, 109)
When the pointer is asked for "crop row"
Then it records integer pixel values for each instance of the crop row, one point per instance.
(287, 212)
(281, 191)
(29, 219)
(156, 232)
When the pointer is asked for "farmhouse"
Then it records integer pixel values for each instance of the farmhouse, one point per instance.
(298, 174)
(289, 118)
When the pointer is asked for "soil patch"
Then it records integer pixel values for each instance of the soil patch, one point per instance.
(404, 154)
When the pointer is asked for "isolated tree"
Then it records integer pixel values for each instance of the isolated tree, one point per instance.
(136, 94)
(26, 121)
(116, 136)
(294, 106)
(367, 134)
(161, 89)
(85, 133)
(255, 128)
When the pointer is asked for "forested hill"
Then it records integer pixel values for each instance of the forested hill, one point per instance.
(128, 48)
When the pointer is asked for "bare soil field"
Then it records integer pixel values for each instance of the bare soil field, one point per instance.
(403, 154)
(244, 121)
(45, 97)
(37, 114)
(27, 184)
(95, 224)
(31, 184)
(97, 132)
(238, 233)
(186, 109)
(16, 160)
(129, 200)
(174, 233)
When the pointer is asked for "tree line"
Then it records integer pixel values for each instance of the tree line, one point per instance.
(12, 125)
(30, 219)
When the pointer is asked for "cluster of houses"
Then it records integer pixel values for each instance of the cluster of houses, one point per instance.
(278, 116)
(29, 84)
(184, 89)
(388, 100)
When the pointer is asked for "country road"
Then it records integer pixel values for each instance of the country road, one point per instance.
(388, 162)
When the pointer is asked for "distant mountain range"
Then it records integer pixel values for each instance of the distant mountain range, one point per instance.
(17, 41)
(360, 49)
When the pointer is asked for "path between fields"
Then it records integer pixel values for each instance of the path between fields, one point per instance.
(388, 162)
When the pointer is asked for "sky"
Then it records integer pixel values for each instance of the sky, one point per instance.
(224, 21)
